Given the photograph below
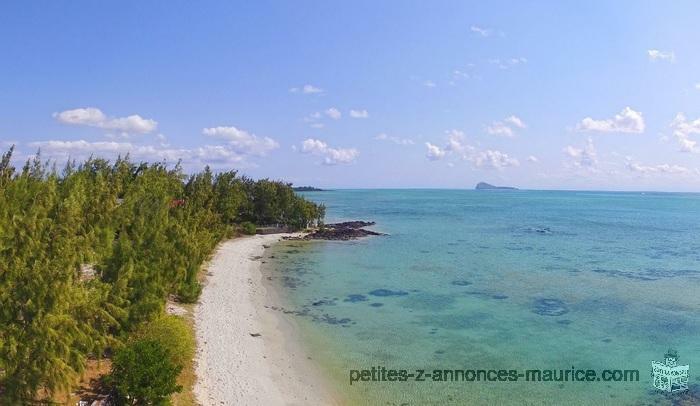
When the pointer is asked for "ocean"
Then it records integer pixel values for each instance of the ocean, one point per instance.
(498, 280)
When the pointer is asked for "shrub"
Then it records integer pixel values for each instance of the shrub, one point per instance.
(143, 373)
(248, 228)
(172, 333)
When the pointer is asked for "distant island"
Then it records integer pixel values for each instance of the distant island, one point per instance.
(488, 186)
(307, 189)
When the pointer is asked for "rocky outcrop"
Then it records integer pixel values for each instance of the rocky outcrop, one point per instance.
(348, 230)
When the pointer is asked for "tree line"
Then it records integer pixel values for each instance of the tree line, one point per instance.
(144, 228)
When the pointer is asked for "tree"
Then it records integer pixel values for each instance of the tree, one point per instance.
(143, 228)
(143, 373)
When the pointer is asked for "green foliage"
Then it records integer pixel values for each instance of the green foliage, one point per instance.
(145, 229)
(143, 373)
(173, 333)
(248, 228)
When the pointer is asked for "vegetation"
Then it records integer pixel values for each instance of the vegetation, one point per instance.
(248, 228)
(173, 333)
(143, 373)
(145, 229)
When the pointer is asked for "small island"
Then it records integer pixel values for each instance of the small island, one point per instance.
(307, 189)
(488, 186)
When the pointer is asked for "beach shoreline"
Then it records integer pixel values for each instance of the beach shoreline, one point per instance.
(246, 352)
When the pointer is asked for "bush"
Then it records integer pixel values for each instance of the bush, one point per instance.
(248, 228)
(172, 333)
(143, 373)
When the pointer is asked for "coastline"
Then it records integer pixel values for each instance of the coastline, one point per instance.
(246, 352)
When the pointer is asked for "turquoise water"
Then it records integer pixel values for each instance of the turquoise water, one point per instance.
(499, 280)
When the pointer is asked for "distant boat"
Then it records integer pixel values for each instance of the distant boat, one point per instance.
(488, 186)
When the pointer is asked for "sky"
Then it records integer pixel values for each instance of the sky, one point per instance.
(366, 94)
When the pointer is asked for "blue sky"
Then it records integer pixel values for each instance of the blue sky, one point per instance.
(572, 95)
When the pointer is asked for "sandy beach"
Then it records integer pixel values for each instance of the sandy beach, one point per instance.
(247, 354)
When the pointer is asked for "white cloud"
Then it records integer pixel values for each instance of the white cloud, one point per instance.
(683, 129)
(242, 141)
(656, 55)
(494, 159)
(457, 147)
(429, 83)
(333, 113)
(515, 121)
(307, 89)
(505, 128)
(434, 152)
(394, 139)
(627, 121)
(331, 156)
(482, 32)
(456, 144)
(533, 159)
(81, 149)
(697, 86)
(359, 114)
(508, 63)
(585, 157)
(654, 169)
(94, 117)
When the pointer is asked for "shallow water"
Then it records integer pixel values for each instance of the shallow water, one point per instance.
(499, 280)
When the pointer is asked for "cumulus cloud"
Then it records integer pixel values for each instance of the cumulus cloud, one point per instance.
(494, 159)
(683, 129)
(94, 117)
(656, 55)
(331, 156)
(585, 157)
(506, 127)
(429, 84)
(458, 147)
(359, 114)
(241, 141)
(627, 121)
(333, 113)
(434, 152)
(533, 159)
(307, 89)
(394, 139)
(81, 149)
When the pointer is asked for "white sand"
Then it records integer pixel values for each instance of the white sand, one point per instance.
(233, 367)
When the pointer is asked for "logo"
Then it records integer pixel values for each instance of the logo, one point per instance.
(668, 376)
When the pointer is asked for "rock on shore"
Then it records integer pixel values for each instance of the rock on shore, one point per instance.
(348, 230)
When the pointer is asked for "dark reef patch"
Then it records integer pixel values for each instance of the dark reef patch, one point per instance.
(324, 302)
(550, 307)
(650, 274)
(354, 298)
(328, 319)
(388, 292)
(376, 304)
(461, 282)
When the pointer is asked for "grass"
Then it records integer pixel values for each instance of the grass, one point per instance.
(187, 377)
